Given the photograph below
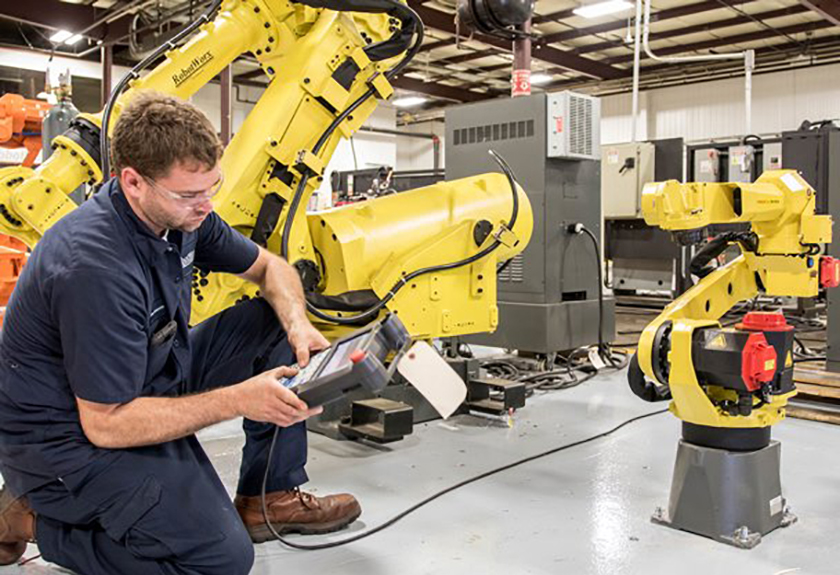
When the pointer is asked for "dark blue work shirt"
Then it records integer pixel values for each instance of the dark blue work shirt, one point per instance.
(82, 323)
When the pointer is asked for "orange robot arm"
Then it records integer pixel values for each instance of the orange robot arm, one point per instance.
(20, 124)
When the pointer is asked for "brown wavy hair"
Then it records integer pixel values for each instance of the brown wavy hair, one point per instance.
(155, 131)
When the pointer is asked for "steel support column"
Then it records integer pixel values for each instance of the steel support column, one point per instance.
(226, 86)
(107, 57)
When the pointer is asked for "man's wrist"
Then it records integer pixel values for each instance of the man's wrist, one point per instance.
(229, 399)
(297, 322)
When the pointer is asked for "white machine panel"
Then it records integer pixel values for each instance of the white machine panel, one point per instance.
(772, 157)
(707, 165)
(741, 163)
(625, 169)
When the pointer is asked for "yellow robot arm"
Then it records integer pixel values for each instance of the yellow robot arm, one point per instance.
(33, 200)
(328, 62)
(779, 257)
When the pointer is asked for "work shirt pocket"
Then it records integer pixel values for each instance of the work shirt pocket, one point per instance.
(162, 333)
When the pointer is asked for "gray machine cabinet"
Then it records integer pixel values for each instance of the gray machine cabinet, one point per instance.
(548, 298)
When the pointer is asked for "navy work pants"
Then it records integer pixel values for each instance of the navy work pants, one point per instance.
(162, 509)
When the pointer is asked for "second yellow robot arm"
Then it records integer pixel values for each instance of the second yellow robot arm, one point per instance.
(779, 257)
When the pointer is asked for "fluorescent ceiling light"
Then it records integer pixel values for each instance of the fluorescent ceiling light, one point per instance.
(409, 101)
(73, 39)
(60, 36)
(537, 79)
(602, 8)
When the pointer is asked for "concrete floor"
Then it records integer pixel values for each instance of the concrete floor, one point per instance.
(581, 511)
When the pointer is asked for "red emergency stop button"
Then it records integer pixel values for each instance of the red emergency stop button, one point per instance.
(357, 356)
(829, 272)
(758, 362)
(764, 321)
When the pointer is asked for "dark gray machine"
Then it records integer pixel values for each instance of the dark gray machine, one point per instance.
(814, 150)
(548, 295)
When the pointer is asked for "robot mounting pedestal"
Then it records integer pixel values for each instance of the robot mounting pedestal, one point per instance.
(734, 497)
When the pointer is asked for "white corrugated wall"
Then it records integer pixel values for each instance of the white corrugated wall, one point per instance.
(781, 101)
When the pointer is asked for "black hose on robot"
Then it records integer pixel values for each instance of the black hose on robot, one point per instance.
(397, 43)
(362, 317)
(376, 308)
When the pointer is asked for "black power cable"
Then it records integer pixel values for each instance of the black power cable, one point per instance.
(604, 350)
(437, 495)
(804, 359)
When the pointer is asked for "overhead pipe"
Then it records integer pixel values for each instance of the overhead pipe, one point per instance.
(747, 55)
(116, 15)
(637, 56)
(167, 18)
(433, 137)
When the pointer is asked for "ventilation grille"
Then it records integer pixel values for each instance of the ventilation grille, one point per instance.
(580, 126)
(515, 271)
(493, 132)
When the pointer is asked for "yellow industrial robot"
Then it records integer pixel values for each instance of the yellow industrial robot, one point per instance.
(429, 255)
(729, 385)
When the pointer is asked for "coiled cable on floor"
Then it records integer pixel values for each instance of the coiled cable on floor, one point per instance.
(433, 497)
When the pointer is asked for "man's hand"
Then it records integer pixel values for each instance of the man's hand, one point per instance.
(304, 339)
(263, 398)
(280, 286)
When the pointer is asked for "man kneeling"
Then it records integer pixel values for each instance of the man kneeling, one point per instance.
(103, 384)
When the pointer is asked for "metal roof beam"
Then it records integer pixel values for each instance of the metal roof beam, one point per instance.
(439, 90)
(445, 22)
(647, 70)
(828, 9)
(64, 16)
(438, 44)
(731, 40)
(705, 27)
(553, 16)
(659, 16)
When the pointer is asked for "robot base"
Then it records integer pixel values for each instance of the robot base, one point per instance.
(733, 497)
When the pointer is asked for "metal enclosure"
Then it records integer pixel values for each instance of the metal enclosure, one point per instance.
(707, 165)
(772, 157)
(573, 124)
(548, 298)
(741, 164)
(816, 154)
(625, 169)
(640, 257)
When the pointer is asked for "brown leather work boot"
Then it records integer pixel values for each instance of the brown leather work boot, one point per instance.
(17, 526)
(295, 511)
